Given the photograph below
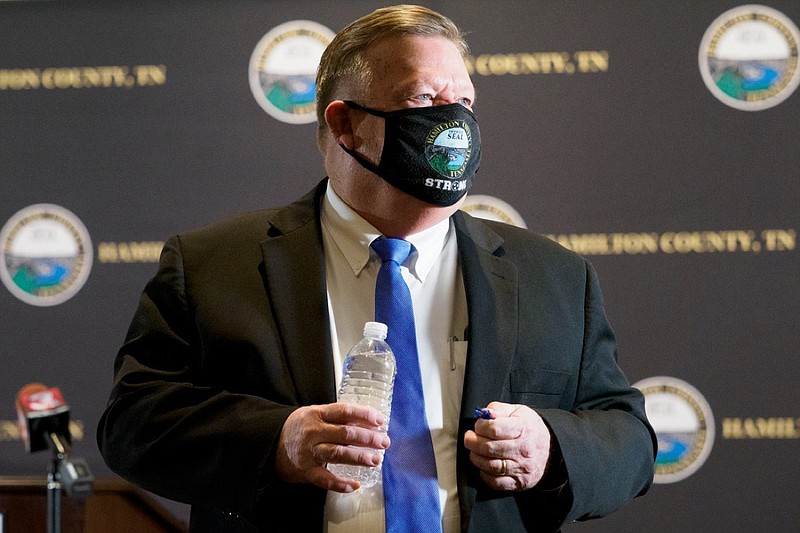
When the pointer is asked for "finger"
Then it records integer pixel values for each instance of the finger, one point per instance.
(493, 428)
(512, 422)
(493, 466)
(501, 409)
(324, 478)
(488, 447)
(352, 436)
(349, 455)
(505, 483)
(500, 428)
(348, 413)
(471, 440)
(346, 424)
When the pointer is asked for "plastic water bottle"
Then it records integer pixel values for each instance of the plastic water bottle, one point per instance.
(368, 379)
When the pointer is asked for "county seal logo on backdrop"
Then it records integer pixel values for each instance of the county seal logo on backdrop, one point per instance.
(491, 208)
(46, 254)
(748, 57)
(283, 69)
(684, 425)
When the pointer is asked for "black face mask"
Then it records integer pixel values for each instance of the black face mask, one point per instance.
(431, 153)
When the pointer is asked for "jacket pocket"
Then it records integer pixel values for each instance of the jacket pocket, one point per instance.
(538, 388)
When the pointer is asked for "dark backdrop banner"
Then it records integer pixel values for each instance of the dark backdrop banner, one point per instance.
(658, 139)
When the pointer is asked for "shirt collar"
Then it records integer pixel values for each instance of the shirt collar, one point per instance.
(353, 235)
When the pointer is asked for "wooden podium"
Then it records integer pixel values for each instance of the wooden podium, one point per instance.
(114, 505)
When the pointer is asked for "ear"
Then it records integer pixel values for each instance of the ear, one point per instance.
(337, 116)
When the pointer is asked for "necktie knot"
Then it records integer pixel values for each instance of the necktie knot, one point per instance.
(388, 249)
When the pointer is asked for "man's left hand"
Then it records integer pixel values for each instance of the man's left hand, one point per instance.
(511, 450)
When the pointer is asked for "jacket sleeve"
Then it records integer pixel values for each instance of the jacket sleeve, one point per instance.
(608, 446)
(172, 428)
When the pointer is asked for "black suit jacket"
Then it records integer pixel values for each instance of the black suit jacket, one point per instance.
(232, 335)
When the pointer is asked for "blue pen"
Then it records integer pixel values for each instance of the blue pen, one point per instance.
(485, 414)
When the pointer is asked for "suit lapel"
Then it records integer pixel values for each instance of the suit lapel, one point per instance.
(294, 277)
(491, 287)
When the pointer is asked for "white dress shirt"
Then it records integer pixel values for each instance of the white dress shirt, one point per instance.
(437, 293)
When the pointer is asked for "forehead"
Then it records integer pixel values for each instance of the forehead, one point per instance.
(402, 61)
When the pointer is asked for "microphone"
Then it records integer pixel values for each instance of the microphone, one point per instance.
(43, 418)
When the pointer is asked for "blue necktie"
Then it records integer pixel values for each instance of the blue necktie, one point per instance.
(410, 486)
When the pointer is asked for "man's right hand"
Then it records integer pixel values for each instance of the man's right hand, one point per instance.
(333, 433)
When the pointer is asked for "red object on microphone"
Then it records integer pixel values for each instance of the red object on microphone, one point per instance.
(41, 411)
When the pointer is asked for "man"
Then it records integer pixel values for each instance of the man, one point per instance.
(224, 392)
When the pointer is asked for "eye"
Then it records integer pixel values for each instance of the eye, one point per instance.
(419, 100)
(466, 102)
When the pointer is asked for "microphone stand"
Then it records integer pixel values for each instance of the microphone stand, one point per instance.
(60, 450)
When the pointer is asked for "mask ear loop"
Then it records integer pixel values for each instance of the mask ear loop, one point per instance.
(361, 160)
(374, 112)
(352, 153)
